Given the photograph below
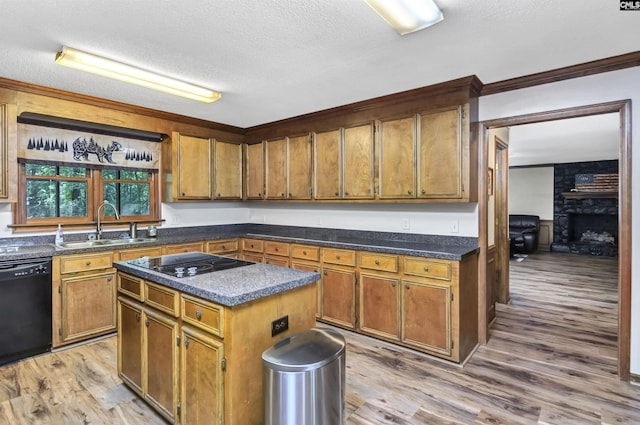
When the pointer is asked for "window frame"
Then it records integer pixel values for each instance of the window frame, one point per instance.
(95, 196)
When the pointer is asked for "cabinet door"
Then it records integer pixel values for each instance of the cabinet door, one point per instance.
(397, 158)
(312, 268)
(426, 316)
(201, 391)
(276, 169)
(193, 167)
(255, 171)
(227, 170)
(327, 180)
(130, 352)
(88, 306)
(440, 155)
(184, 247)
(358, 162)
(299, 167)
(4, 144)
(379, 306)
(339, 297)
(161, 389)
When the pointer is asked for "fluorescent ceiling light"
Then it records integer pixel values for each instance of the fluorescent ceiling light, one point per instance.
(130, 74)
(407, 16)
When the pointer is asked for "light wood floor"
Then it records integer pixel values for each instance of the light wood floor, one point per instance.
(551, 359)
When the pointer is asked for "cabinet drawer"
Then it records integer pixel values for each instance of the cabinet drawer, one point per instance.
(277, 261)
(131, 286)
(276, 248)
(86, 262)
(202, 314)
(339, 256)
(252, 245)
(382, 262)
(132, 254)
(230, 245)
(305, 252)
(185, 247)
(161, 298)
(427, 268)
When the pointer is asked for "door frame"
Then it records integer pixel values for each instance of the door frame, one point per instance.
(623, 108)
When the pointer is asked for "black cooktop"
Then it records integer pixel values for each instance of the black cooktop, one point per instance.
(189, 264)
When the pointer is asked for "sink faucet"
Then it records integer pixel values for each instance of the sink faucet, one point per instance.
(99, 226)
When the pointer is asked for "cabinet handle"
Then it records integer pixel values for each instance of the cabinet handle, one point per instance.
(304, 252)
(424, 192)
(337, 257)
(198, 315)
(290, 195)
(345, 194)
(325, 273)
(377, 263)
(224, 248)
(426, 269)
(219, 195)
(409, 192)
(186, 342)
(109, 279)
(337, 194)
(137, 317)
(282, 195)
(259, 195)
(88, 263)
(406, 287)
(146, 323)
(182, 193)
(393, 284)
(276, 249)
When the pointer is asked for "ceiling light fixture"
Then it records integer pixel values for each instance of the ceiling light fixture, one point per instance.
(407, 16)
(130, 74)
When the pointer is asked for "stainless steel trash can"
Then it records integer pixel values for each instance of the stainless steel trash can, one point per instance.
(304, 379)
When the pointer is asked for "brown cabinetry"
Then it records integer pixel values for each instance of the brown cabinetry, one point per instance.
(396, 157)
(343, 163)
(276, 169)
(440, 154)
(183, 247)
(84, 291)
(339, 287)
(191, 167)
(254, 171)
(288, 168)
(276, 253)
(8, 148)
(227, 170)
(224, 247)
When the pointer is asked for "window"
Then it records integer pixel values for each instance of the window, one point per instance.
(67, 194)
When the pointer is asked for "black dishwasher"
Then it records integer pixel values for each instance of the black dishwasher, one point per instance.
(25, 308)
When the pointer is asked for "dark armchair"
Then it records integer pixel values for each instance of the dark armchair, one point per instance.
(523, 232)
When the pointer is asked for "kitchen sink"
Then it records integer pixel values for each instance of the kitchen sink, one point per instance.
(103, 242)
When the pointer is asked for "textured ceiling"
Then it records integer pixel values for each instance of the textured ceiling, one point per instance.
(274, 59)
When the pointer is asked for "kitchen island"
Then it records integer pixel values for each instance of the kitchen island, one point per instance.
(191, 345)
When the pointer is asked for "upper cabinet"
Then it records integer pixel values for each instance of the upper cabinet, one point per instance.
(254, 171)
(343, 163)
(288, 168)
(397, 152)
(8, 147)
(204, 169)
(227, 170)
(192, 167)
(439, 149)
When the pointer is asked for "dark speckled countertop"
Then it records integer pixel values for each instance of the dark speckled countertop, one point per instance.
(228, 287)
(433, 246)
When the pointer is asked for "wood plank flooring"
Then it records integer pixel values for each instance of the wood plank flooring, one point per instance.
(551, 359)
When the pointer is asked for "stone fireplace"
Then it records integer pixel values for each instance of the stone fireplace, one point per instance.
(584, 223)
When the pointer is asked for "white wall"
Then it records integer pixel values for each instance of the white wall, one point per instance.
(611, 86)
(531, 191)
(432, 219)
(204, 214)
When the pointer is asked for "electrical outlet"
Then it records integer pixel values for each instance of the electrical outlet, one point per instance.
(406, 225)
(279, 325)
(454, 227)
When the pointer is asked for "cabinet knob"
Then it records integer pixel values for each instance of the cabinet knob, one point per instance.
(146, 323)
(182, 193)
(346, 193)
(290, 196)
(88, 263)
(304, 252)
(219, 195)
(337, 257)
(276, 249)
(426, 269)
(282, 194)
(377, 263)
(409, 192)
(325, 273)
(109, 279)
(259, 195)
(406, 287)
(137, 317)
(424, 192)
(198, 315)
(186, 342)
(393, 284)
(224, 248)
(336, 193)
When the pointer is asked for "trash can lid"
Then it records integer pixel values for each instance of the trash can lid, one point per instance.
(304, 351)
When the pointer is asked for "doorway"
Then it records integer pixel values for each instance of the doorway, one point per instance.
(624, 217)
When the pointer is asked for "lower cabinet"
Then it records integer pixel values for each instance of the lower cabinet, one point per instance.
(84, 297)
(339, 296)
(201, 390)
(379, 306)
